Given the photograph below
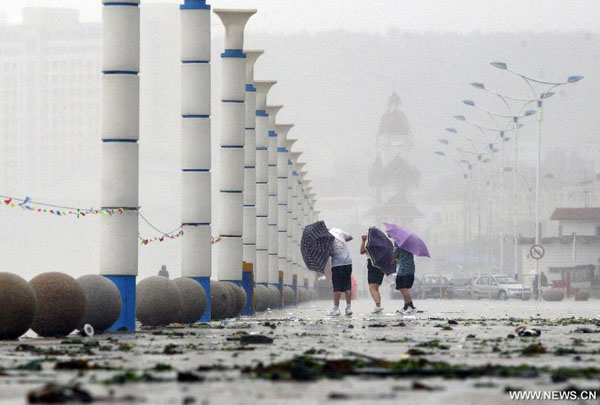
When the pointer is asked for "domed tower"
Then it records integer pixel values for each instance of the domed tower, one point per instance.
(392, 175)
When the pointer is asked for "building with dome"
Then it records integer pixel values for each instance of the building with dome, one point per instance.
(393, 176)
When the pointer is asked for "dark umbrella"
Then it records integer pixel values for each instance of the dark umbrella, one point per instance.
(315, 246)
(380, 250)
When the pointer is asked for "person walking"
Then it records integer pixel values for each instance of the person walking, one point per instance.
(405, 277)
(374, 278)
(341, 271)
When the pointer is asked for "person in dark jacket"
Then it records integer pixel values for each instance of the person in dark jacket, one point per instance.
(405, 277)
(374, 277)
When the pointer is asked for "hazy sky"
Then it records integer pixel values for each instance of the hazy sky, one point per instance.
(380, 15)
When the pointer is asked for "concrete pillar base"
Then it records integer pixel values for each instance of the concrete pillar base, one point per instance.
(126, 286)
(295, 288)
(205, 283)
(248, 286)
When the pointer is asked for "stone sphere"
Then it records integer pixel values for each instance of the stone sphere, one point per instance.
(302, 294)
(157, 301)
(261, 298)
(275, 300)
(102, 302)
(553, 294)
(242, 299)
(18, 305)
(582, 295)
(231, 309)
(288, 296)
(221, 300)
(61, 304)
(194, 300)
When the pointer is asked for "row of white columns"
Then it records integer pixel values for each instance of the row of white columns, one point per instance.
(264, 197)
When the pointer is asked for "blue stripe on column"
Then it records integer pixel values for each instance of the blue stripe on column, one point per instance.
(261, 216)
(261, 250)
(272, 195)
(250, 129)
(261, 113)
(195, 170)
(195, 116)
(261, 148)
(295, 173)
(124, 208)
(191, 62)
(279, 149)
(272, 133)
(195, 224)
(121, 4)
(120, 140)
(231, 236)
(248, 205)
(249, 167)
(120, 72)
(232, 146)
(231, 191)
(233, 101)
(261, 182)
(194, 5)
(272, 165)
(249, 244)
(250, 87)
(233, 53)
(281, 177)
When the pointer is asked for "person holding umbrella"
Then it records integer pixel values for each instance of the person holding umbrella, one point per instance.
(374, 278)
(341, 271)
(405, 276)
(406, 244)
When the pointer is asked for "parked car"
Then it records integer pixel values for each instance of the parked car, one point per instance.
(499, 287)
(461, 287)
(436, 287)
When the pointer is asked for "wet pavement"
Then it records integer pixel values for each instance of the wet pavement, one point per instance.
(454, 351)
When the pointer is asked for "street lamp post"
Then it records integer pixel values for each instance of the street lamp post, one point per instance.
(516, 126)
(540, 103)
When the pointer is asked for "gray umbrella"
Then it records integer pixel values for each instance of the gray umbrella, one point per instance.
(315, 246)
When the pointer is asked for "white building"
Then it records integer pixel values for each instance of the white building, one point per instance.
(49, 98)
(572, 250)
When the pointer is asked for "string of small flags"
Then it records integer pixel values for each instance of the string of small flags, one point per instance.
(173, 235)
(28, 205)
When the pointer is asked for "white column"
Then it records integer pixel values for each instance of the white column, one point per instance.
(289, 213)
(282, 131)
(272, 200)
(262, 162)
(195, 140)
(231, 175)
(120, 152)
(294, 208)
(249, 230)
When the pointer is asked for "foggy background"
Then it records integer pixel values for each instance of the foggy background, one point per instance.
(337, 63)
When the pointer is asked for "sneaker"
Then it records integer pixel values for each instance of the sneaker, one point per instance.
(410, 310)
(348, 311)
(334, 312)
(377, 310)
(401, 311)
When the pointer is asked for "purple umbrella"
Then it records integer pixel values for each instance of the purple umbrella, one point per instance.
(407, 240)
(380, 250)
